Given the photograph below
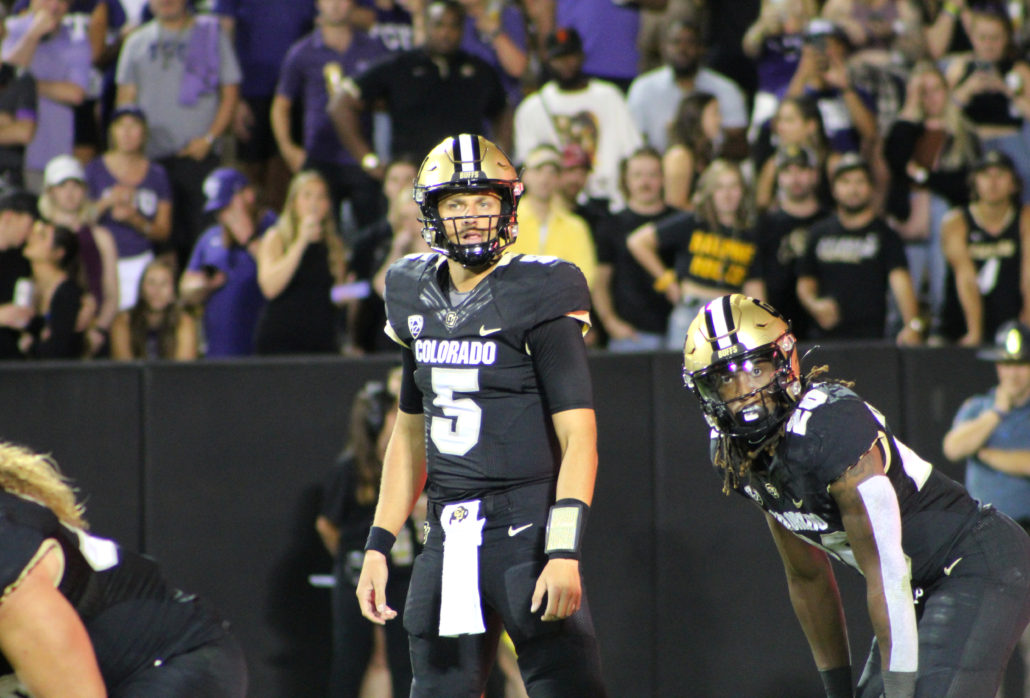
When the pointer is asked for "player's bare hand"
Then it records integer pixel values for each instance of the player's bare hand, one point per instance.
(560, 582)
(371, 590)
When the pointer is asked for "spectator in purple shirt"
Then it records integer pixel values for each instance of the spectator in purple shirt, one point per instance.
(316, 67)
(222, 272)
(134, 198)
(496, 32)
(262, 32)
(181, 69)
(390, 21)
(60, 62)
(609, 30)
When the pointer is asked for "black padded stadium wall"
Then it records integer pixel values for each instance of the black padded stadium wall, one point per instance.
(215, 468)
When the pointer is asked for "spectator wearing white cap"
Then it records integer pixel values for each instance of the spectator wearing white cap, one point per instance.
(65, 202)
(133, 198)
(221, 275)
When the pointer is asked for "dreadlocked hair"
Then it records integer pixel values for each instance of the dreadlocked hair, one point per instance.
(37, 477)
(734, 457)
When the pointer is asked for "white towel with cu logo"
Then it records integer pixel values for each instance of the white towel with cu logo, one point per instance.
(460, 609)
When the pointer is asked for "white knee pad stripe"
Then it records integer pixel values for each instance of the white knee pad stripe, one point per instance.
(881, 505)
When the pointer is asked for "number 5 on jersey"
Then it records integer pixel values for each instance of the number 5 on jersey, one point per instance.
(458, 431)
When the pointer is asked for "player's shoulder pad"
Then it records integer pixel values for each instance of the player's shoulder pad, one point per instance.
(828, 432)
(403, 280)
(545, 288)
(24, 525)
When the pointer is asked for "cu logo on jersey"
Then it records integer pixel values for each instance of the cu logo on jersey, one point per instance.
(459, 515)
(415, 323)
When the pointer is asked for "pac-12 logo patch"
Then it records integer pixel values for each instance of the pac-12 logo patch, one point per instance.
(415, 323)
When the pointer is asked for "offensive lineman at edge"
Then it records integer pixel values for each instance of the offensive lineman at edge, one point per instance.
(947, 579)
(497, 424)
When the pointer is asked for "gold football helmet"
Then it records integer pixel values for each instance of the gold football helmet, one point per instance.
(467, 164)
(730, 335)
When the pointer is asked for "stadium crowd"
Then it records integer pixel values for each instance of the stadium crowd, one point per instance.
(215, 178)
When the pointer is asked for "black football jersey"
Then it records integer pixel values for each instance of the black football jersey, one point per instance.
(133, 618)
(828, 432)
(487, 424)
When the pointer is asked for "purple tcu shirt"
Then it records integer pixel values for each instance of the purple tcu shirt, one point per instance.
(231, 312)
(64, 57)
(609, 34)
(149, 193)
(515, 28)
(304, 77)
(265, 30)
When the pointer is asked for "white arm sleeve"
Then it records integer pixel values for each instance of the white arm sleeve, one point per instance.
(881, 505)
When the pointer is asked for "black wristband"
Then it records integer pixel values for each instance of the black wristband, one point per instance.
(566, 523)
(380, 540)
(837, 682)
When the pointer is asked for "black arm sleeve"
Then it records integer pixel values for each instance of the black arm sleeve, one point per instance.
(560, 359)
(411, 397)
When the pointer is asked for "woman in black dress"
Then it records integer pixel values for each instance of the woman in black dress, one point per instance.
(299, 261)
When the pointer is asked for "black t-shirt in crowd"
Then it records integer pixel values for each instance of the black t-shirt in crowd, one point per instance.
(781, 242)
(426, 104)
(852, 266)
(722, 258)
(632, 291)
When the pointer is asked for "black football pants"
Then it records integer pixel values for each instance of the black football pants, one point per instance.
(557, 659)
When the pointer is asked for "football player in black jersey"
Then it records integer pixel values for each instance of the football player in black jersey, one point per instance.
(79, 616)
(948, 580)
(497, 424)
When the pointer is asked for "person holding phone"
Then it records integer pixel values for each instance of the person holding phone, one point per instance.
(990, 84)
(847, 112)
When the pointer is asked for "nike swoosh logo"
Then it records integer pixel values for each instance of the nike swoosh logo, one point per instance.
(798, 502)
(484, 331)
(512, 531)
(949, 568)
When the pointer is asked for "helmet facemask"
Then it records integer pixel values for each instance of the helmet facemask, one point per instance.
(756, 414)
(502, 229)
